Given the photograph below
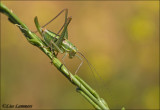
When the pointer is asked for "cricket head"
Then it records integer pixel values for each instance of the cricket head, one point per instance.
(69, 48)
(73, 52)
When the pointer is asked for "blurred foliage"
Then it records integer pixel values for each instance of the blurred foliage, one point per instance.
(119, 38)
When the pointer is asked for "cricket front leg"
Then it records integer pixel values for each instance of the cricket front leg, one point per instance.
(65, 65)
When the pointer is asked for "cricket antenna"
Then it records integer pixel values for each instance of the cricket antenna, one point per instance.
(90, 66)
(94, 72)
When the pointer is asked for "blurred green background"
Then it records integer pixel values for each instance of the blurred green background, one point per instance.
(119, 38)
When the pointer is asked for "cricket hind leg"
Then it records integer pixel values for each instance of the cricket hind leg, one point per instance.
(66, 14)
(64, 33)
(64, 27)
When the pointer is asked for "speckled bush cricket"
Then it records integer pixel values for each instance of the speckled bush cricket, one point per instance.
(60, 43)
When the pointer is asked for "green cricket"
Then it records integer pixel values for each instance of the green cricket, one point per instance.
(60, 43)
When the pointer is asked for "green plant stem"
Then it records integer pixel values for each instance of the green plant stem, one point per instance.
(83, 88)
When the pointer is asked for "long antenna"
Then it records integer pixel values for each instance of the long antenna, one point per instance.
(93, 70)
(90, 65)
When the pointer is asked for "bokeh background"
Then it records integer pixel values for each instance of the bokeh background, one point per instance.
(120, 38)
